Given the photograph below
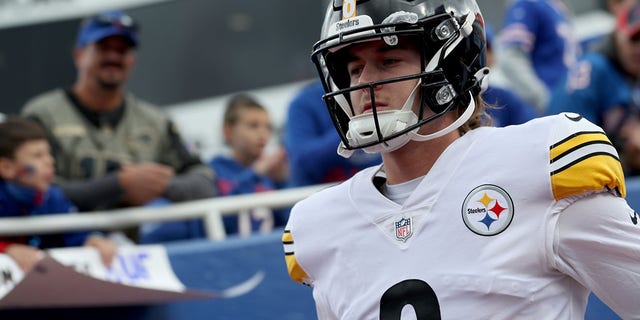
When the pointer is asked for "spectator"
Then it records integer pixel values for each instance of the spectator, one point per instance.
(111, 148)
(26, 170)
(604, 87)
(247, 169)
(612, 7)
(311, 140)
(508, 107)
(536, 48)
(615, 6)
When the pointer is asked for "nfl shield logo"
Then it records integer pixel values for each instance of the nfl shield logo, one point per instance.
(403, 229)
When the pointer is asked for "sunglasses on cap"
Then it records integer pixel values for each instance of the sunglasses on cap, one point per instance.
(123, 21)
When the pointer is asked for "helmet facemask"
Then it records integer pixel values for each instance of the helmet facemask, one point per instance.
(438, 40)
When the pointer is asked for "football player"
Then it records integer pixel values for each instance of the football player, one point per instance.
(461, 221)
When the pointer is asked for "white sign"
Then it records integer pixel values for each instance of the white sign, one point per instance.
(10, 274)
(138, 275)
(140, 266)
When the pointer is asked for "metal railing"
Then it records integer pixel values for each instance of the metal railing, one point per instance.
(210, 210)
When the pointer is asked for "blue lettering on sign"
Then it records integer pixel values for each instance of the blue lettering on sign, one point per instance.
(7, 276)
(129, 268)
(82, 268)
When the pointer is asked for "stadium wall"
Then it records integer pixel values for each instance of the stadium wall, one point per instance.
(215, 266)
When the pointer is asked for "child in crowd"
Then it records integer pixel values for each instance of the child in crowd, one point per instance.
(26, 172)
(248, 168)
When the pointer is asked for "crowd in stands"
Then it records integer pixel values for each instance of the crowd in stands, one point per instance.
(604, 87)
(102, 147)
(539, 60)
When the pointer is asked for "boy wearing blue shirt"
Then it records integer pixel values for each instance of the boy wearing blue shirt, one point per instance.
(26, 172)
(248, 168)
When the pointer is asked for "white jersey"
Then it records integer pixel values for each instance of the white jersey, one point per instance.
(477, 239)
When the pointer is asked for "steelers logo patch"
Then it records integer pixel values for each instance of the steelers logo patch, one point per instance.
(487, 210)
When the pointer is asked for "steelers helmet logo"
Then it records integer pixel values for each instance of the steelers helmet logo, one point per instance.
(487, 210)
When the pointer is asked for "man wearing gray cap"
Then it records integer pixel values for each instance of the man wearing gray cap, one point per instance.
(111, 148)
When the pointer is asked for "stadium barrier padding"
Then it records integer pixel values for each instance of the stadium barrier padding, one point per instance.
(215, 266)
(206, 265)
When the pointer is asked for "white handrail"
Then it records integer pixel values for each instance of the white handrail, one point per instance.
(122, 218)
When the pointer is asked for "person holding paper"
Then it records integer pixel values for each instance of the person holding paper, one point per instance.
(26, 172)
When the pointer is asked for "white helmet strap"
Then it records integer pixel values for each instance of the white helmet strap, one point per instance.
(466, 115)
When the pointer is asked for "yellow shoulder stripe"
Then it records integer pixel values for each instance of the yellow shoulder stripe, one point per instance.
(585, 161)
(295, 270)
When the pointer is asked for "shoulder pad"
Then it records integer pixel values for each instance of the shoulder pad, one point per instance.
(582, 159)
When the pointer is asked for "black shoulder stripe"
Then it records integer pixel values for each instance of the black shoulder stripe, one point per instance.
(591, 155)
(592, 142)
(573, 136)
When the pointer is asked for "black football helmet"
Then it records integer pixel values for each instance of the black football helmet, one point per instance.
(451, 38)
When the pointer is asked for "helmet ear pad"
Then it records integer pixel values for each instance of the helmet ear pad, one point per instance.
(429, 88)
(458, 70)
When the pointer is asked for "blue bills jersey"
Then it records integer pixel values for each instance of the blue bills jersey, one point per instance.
(542, 29)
